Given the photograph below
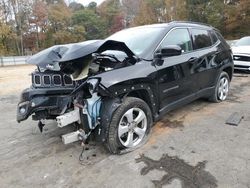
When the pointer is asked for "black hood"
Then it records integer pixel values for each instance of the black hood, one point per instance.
(80, 50)
(115, 45)
(51, 57)
(98, 47)
(48, 58)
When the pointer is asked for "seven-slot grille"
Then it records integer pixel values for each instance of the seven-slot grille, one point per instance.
(48, 80)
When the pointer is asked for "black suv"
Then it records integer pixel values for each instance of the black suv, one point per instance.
(128, 81)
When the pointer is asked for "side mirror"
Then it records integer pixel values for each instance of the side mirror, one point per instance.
(168, 51)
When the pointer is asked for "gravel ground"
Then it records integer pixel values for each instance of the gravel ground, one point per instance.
(189, 147)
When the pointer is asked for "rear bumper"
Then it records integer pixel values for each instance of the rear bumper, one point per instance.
(49, 101)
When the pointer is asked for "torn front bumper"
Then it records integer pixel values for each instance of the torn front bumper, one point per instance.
(45, 103)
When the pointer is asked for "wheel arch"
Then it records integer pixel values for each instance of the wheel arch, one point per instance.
(146, 96)
(229, 71)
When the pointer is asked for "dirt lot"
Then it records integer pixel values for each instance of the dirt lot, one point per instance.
(191, 147)
(14, 79)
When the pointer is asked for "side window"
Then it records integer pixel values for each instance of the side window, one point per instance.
(201, 38)
(178, 37)
(213, 36)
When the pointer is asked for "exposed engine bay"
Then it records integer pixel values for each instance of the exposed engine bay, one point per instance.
(83, 96)
(87, 98)
(95, 64)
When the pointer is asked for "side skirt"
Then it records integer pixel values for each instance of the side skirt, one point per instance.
(181, 102)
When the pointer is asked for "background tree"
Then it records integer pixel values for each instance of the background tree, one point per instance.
(5, 37)
(175, 10)
(28, 26)
(74, 6)
(214, 14)
(146, 14)
(39, 23)
(130, 9)
(112, 12)
(93, 24)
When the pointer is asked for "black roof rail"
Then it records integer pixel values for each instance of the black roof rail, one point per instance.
(191, 22)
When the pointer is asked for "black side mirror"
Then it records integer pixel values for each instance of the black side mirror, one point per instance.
(168, 51)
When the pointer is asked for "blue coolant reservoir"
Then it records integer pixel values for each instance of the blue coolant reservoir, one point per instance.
(93, 109)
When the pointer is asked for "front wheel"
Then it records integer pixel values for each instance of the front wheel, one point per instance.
(130, 126)
(221, 89)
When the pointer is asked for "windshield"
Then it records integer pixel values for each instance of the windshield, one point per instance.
(243, 42)
(137, 39)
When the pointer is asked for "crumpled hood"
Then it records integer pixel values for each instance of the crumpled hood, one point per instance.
(115, 45)
(50, 58)
(98, 47)
(241, 49)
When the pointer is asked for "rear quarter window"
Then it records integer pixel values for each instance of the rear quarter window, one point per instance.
(201, 38)
(213, 36)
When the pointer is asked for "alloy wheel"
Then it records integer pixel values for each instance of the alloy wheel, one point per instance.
(132, 127)
(223, 88)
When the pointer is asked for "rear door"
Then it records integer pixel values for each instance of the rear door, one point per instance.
(206, 49)
(176, 81)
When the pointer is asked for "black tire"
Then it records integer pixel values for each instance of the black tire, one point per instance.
(216, 94)
(115, 143)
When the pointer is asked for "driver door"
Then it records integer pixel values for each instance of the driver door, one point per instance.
(176, 80)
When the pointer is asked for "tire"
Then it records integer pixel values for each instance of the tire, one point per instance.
(125, 133)
(221, 89)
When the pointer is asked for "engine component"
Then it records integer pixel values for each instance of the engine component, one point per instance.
(92, 109)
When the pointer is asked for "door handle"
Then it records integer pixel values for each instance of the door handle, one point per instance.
(192, 60)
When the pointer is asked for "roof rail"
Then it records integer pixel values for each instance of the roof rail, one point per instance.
(191, 22)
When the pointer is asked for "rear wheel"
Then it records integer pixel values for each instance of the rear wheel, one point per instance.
(221, 89)
(130, 126)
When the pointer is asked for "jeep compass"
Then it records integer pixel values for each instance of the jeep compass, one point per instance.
(115, 89)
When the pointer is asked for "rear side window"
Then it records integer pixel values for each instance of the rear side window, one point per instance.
(201, 38)
(213, 36)
(178, 37)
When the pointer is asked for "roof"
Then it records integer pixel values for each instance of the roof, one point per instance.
(179, 23)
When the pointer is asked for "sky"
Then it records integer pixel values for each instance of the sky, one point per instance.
(86, 2)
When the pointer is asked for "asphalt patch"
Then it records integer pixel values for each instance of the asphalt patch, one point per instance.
(175, 168)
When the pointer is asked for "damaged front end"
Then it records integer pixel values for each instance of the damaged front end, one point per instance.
(86, 112)
(91, 98)
(80, 99)
(49, 93)
(47, 97)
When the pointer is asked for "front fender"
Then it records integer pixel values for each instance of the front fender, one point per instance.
(108, 107)
(142, 71)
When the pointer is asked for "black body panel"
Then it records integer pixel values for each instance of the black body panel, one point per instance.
(163, 82)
